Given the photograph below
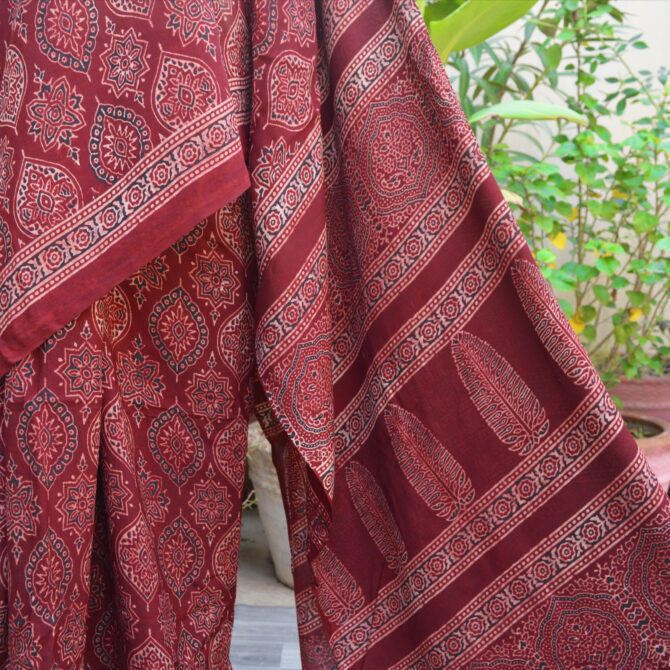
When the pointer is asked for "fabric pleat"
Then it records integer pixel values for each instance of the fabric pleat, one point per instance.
(209, 206)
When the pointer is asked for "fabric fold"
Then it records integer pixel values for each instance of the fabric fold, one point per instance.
(119, 132)
(187, 187)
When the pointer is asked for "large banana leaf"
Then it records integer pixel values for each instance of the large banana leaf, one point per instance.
(454, 25)
(529, 110)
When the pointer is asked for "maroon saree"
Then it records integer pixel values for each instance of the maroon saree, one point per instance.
(209, 206)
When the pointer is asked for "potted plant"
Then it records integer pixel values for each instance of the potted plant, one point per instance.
(591, 187)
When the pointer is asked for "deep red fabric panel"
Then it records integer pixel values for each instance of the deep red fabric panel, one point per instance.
(118, 132)
(124, 443)
(461, 490)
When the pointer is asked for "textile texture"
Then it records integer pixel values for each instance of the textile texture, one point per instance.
(209, 205)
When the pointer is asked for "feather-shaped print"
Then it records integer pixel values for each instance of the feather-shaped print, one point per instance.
(503, 399)
(551, 324)
(337, 591)
(373, 508)
(429, 467)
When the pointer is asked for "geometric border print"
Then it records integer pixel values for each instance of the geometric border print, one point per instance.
(47, 436)
(178, 330)
(176, 444)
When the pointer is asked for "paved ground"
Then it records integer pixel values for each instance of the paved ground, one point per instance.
(265, 638)
(265, 632)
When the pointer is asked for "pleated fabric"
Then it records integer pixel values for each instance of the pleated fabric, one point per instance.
(461, 491)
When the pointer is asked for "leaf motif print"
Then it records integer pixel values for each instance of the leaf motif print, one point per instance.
(503, 399)
(337, 591)
(376, 515)
(551, 325)
(429, 467)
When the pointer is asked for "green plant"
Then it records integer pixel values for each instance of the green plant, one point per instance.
(593, 200)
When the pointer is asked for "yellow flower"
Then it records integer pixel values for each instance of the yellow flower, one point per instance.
(577, 323)
(635, 314)
(559, 240)
(618, 194)
(573, 216)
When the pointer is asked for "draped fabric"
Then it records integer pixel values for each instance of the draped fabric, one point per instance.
(194, 195)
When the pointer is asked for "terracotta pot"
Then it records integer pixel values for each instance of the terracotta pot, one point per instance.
(649, 396)
(270, 505)
(656, 447)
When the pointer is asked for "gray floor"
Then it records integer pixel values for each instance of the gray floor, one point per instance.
(265, 632)
(265, 638)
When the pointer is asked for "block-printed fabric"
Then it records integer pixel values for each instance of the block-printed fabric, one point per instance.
(211, 205)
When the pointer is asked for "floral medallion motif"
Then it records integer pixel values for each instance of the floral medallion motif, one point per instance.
(586, 632)
(207, 608)
(17, 11)
(46, 195)
(136, 558)
(236, 54)
(209, 394)
(150, 656)
(66, 31)
(76, 503)
(83, 371)
(125, 62)
(119, 139)
(48, 574)
(139, 381)
(153, 498)
(176, 444)
(399, 152)
(139, 8)
(184, 89)
(649, 576)
(235, 341)
(5, 243)
(215, 278)
(210, 503)
(21, 510)
(6, 171)
(47, 436)
(55, 114)
(112, 314)
(73, 638)
(177, 328)
(193, 22)
(309, 384)
(118, 433)
(301, 19)
(12, 86)
(291, 94)
(180, 554)
(226, 555)
(230, 451)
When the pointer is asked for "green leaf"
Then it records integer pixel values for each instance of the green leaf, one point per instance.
(620, 334)
(589, 333)
(602, 294)
(567, 307)
(546, 256)
(588, 313)
(553, 54)
(636, 298)
(664, 244)
(471, 22)
(529, 110)
(643, 222)
(608, 265)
